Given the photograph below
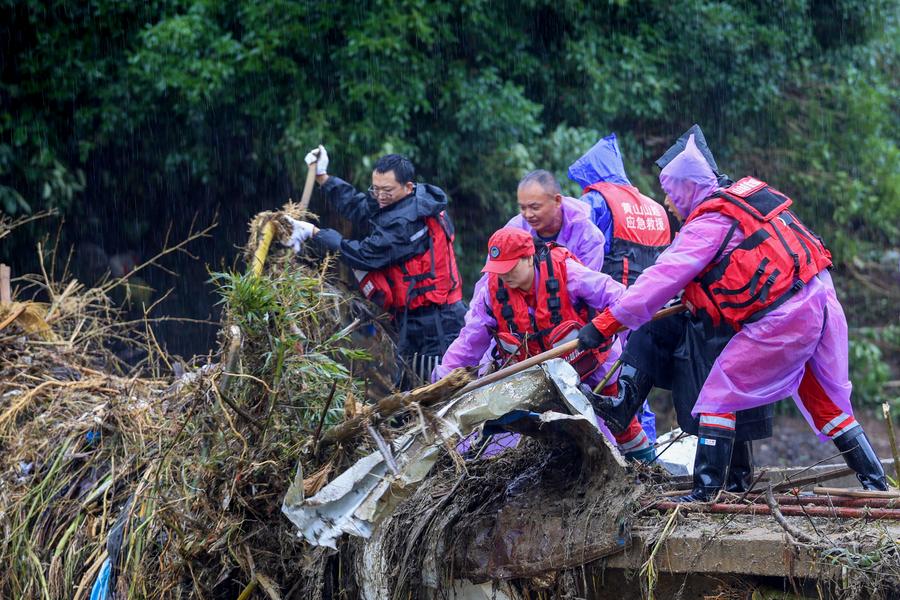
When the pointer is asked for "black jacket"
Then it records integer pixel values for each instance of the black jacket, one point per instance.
(395, 233)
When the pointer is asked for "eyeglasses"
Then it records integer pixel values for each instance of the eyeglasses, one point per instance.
(381, 192)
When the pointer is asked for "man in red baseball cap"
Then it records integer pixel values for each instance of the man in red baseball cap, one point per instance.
(536, 298)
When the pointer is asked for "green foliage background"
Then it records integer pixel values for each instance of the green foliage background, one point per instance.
(139, 113)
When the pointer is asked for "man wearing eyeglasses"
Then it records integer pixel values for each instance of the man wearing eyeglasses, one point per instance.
(406, 263)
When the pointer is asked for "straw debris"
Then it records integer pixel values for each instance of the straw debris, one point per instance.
(171, 485)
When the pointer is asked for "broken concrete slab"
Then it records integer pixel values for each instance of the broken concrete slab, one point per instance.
(743, 545)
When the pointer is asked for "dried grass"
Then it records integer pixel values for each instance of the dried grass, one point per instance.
(178, 482)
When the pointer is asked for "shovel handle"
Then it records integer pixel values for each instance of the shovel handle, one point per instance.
(553, 353)
(308, 187)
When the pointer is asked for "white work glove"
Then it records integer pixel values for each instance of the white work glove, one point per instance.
(300, 232)
(320, 157)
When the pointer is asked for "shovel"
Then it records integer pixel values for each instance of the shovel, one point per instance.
(262, 251)
(555, 353)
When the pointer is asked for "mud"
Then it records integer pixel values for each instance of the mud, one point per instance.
(540, 508)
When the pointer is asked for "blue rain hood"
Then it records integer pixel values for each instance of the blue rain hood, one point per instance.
(603, 162)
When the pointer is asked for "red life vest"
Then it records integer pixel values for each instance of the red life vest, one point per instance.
(778, 257)
(431, 277)
(528, 324)
(640, 230)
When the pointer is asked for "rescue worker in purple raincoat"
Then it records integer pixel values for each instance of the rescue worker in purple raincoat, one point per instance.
(635, 229)
(535, 299)
(745, 259)
(551, 217)
(676, 353)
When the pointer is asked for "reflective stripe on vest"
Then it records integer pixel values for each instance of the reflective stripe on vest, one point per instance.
(778, 256)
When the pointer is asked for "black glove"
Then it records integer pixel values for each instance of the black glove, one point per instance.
(589, 337)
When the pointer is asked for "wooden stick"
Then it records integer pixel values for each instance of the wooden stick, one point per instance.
(5, 290)
(795, 533)
(822, 491)
(553, 353)
(262, 251)
(886, 409)
(818, 478)
(12, 316)
(308, 187)
(612, 371)
(425, 396)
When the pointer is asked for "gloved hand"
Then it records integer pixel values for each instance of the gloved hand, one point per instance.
(320, 157)
(600, 329)
(589, 337)
(301, 231)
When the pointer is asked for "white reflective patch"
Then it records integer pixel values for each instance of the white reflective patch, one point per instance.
(708, 441)
(745, 186)
(571, 337)
(720, 421)
(640, 441)
(832, 424)
(418, 234)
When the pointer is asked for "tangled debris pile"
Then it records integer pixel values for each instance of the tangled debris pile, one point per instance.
(113, 479)
(153, 488)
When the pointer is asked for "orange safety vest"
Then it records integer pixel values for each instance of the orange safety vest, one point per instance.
(778, 256)
(431, 277)
(530, 324)
(640, 230)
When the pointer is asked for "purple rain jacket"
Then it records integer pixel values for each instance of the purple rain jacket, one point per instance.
(765, 361)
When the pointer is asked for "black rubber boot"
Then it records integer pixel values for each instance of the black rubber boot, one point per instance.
(740, 473)
(711, 463)
(861, 457)
(617, 411)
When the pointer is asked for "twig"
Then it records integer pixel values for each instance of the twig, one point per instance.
(649, 568)
(192, 235)
(322, 418)
(886, 409)
(790, 529)
(680, 436)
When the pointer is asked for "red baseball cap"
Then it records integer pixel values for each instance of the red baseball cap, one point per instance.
(505, 248)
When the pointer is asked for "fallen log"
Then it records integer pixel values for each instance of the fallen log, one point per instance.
(424, 396)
